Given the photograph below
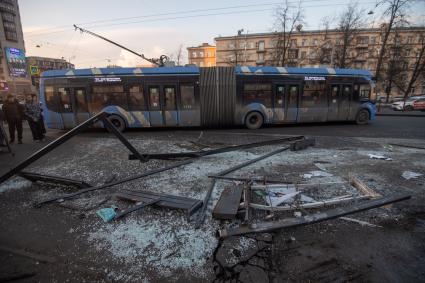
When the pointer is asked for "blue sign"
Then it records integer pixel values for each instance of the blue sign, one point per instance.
(16, 62)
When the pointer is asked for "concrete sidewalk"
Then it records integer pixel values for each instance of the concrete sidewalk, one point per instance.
(387, 111)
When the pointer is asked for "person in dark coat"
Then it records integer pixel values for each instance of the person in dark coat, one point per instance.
(33, 116)
(13, 113)
(2, 137)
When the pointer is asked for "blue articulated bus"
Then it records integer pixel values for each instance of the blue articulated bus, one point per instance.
(207, 97)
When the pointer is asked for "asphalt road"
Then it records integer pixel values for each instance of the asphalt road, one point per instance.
(383, 126)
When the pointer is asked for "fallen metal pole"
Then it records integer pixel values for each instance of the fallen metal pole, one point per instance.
(201, 214)
(136, 207)
(34, 177)
(57, 142)
(195, 154)
(102, 116)
(309, 219)
(145, 174)
(120, 136)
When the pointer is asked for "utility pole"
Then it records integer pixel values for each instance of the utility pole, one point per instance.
(160, 62)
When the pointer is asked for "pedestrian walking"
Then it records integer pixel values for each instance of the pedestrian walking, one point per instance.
(13, 113)
(33, 116)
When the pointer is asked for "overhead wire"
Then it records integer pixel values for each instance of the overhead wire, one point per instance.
(54, 30)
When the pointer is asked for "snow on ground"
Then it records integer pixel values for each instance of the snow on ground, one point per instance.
(162, 240)
(15, 184)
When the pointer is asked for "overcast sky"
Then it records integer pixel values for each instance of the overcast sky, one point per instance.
(156, 27)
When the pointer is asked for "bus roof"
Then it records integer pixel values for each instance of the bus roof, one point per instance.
(244, 70)
(240, 70)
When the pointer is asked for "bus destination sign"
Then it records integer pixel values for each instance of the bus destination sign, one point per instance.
(107, 80)
(314, 78)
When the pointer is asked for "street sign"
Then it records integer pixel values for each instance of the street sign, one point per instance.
(34, 70)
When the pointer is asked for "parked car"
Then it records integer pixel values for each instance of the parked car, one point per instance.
(408, 104)
(419, 104)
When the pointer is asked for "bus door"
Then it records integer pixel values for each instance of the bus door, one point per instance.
(189, 110)
(66, 107)
(291, 107)
(339, 102)
(279, 103)
(163, 105)
(344, 102)
(81, 109)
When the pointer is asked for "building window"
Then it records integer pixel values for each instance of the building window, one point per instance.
(363, 40)
(9, 26)
(315, 42)
(201, 54)
(410, 39)
(251, 45)
(231, 46)
(303, 54)
(261, 45)
(304, 42)
(208, 54)
(293, 42)
(260, 57)
(194, 54)
(242, 45)
(373, 40)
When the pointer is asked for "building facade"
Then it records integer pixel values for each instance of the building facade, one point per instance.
(14, 77)
(202, 56)
(318, 48)
(37, 65)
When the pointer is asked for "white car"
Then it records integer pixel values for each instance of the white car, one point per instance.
(408, 104)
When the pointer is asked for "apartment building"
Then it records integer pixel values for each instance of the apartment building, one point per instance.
(202, 56)
(37, 65)
(14, 76)
(318, 48)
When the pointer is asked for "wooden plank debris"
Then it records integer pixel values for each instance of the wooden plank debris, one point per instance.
(362, 187)
(228, 203)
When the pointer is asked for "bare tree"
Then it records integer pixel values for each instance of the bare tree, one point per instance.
(349, 23)
(179, 55)
(395, 68)
(326, 46)
(395, 11)
(237, 53)
(418, 68)
(288, 19)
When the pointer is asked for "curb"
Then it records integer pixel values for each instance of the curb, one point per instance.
(400, 115)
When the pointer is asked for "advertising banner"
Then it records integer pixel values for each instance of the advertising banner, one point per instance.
(16, 62)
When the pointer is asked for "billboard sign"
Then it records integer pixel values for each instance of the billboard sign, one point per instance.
(16, 62)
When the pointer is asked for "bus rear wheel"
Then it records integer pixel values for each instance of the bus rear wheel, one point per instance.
(118, 122)
(363, 117)
(254, 120)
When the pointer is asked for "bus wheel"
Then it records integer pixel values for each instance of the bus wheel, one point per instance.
(118, 122)
(254, 120)
(363, 117)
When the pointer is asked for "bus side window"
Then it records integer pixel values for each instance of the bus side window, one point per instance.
(136, 99)
(154, 98)
(259, 93)
(80, 99)
(365, 91)
(314, 94)
(187, 96)
(52, 102)
(170, 98)
(65, 99)
(293, 96)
